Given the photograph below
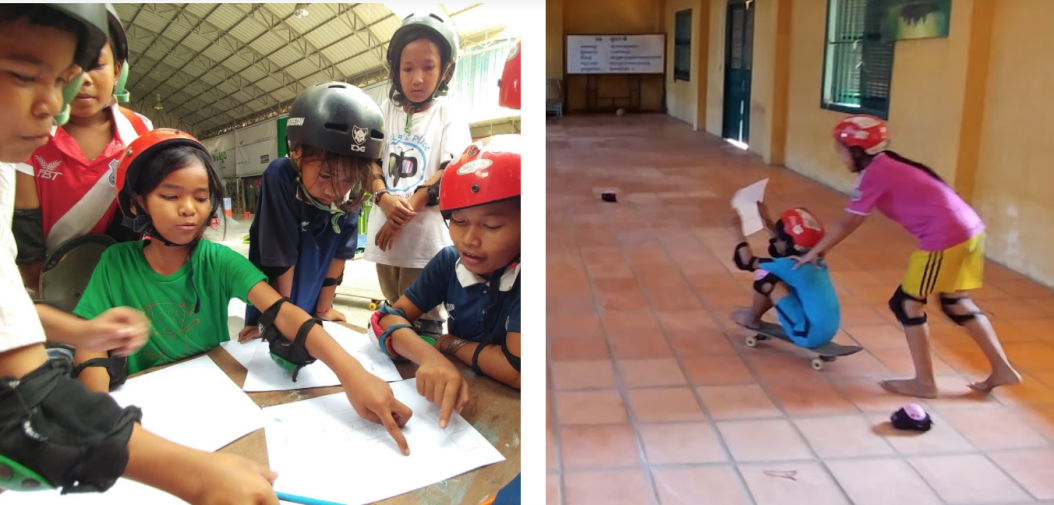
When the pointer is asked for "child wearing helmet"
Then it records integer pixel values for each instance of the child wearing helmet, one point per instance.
(306, 222)
(64, 190)
(425, 133)
(168, 191)
(949, 261)
(80, 442)
(477, 279)
(805, 300)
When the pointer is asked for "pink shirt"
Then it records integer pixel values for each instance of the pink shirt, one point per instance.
(929, 209)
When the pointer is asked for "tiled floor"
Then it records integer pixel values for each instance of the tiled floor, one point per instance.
(654, 398)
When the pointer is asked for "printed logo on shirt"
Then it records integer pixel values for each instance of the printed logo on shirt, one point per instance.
(113, 171)
(450, 307)
(47, 170)
(402, 165)
(295, 121)
(303, 225)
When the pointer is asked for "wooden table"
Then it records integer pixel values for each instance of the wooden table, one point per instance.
(494, 411)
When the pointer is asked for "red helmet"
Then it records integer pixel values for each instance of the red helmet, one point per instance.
(487, 172)
(509, 84)
(867, 132)
(802, 227)
(138, 154)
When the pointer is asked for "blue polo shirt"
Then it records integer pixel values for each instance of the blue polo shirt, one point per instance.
(288, 232)
(468, 298)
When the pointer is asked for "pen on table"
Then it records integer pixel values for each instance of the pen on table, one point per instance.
(306, 501)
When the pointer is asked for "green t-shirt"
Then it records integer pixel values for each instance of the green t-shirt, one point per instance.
(214, 275)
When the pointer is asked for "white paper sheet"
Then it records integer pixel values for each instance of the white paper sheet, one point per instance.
(242, 353)
(193, 403)
(265, 375)
(745, 202)
(124, 491)
(323, 450)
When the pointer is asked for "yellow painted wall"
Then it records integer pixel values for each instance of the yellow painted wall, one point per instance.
(715, 84)
(681, 96)
(1014, 173)
(554, 39)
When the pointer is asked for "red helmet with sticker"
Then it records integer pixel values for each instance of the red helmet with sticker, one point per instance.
(867, 132)
(509, 84)
(487, 172)
(803, 228)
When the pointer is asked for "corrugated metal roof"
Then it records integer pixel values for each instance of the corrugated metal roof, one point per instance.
(184, 52)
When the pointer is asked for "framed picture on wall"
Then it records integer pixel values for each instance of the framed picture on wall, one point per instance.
(916, 19)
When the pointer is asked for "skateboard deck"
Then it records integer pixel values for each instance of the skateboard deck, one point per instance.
(826, 353)
(375, 297)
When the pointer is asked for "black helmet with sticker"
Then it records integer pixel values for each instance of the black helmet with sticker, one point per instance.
(336, 117)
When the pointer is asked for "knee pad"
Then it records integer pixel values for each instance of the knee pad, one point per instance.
(116, 366)
(948, 302)
(896, 304)
(54, 433)
(289, 355)
(766, 284)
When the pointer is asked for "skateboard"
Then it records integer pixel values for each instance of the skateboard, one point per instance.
(375, 297)
(825, 353)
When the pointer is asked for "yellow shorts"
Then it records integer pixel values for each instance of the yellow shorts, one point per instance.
(957, 268)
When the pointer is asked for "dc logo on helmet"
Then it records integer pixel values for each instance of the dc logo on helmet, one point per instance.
(359, 136)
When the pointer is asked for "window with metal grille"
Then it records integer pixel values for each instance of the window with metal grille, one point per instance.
(682, 46)
(858, 63)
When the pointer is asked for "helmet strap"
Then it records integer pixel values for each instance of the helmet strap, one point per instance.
(143, 224)
(122, 94)
(336, 213)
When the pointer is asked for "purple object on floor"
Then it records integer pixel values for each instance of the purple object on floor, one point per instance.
(608, 196)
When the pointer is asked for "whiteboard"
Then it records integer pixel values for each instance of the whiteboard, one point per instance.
(616, 54)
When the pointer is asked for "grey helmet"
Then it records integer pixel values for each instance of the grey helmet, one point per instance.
(441, 28)
(93, 19)
(336, 117)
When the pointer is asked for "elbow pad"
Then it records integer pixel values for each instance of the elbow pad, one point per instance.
(514, 360)
(290, 356)
(116, 366)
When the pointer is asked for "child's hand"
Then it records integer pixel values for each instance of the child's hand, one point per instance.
(121, 329)
(333, 315)
(234, 479)
(373, 399)
(439, 382)
(809, 257)
(385, 238)
(397, 210)
(248, 333)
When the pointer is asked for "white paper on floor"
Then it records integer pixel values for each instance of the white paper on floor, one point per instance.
(193, 403)
(323, 450)
(745, 202)
(265, 375)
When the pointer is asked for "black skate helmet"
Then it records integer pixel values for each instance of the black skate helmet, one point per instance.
(336, 117)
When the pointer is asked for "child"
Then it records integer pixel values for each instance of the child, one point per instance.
(805, 300)
(78, 441)
(168, 190)
(405, 229)
(306, 223)
(65, 189)
(950, 259)
(478, 279)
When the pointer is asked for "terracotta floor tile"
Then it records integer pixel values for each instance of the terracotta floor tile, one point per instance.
(689, 321)
(898, 361)
(552, 489)
(875, 336)
(619, 294)
(717, 370)
(809, 484)
(814, 397)
(550, 449)
(584, 324)
(941, 439)
(865, 315)
(1031, 468)
(858, 366)
(681, 443)
(843, 437)
(869, 397)
(598, 446)
(651, 372)
(738, 402)
(567, 304)
(573, 375)
(1040, 418)
(994, 428)
(630, 322)
(664, 404)
(782, 364)
(590, 407)
(673, 297)
(763, 440)
(612, 487)
(954, 393)
(968, 479)
(705, 342)
(1031, 356)
(650, 345)
(571, 349)
(692, 486)
(882, 482)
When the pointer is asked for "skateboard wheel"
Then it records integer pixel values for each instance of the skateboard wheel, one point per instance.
(817, 364)
(751, 341)
(373, 306)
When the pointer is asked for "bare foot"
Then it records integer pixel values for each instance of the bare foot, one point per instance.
(741, 316)
(910, 387)
(1009, 377)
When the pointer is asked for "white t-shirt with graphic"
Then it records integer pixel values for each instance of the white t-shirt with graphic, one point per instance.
(437, 135)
